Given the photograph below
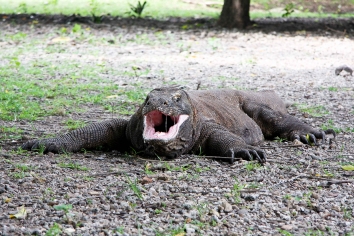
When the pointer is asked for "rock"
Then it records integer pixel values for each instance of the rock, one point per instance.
(315, 196)
(163, 177)
(214, 213)
(250, 198)
(146, 180)
(69, 230)
(153, 192)
(227, 207)
(243, 212)
(188, 204)
(287, 227)
(190, 229)
(106, 207)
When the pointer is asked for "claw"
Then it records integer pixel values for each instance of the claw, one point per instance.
(323, 136)
(303, 139)
(254, 153)
(232, 158)
(263, 157)
(248, 155)
(296, 136)
(330, 131)
(312, 139)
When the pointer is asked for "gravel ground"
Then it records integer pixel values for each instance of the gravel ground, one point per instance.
(301, 190)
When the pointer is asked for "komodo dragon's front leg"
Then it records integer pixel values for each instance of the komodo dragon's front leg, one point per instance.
(217, 141)
(111, 133)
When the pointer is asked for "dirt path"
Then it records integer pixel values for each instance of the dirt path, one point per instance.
(300, 190)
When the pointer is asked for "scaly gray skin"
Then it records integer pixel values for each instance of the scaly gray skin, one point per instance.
(225, 123)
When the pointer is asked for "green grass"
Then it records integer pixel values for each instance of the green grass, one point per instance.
(54, 230)
(21, 170)
(73, 166)
(264, 14)
(74, 124)
(154, 8)
(134, 186)
(102, 7)
(315, 111)
(7, 133)
(32, 87)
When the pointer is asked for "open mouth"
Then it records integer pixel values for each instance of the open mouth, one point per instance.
(160, 126)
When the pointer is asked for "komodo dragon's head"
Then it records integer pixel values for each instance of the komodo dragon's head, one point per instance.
(168, 121)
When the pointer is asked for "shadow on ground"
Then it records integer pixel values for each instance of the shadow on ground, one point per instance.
(318, 26)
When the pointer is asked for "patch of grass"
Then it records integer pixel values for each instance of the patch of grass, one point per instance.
(236, 191)
(88, 178)
(55, 230)
(330, 125)
(95, 8)
(32, 87)
(63, 207)
(119, 229)
(284, 232)
(158, 211)
(253, 185)
(19, 175)
(200, 169)
(134, 186)
(279, 140)
(21, 170)
(7, 133)
(74, 124)
(73, 166)
(251, 166)
(333, 89)
(147, 169)
(263, 14)
(315, 111)
(347, 213)
(181, 168)
(315, 233)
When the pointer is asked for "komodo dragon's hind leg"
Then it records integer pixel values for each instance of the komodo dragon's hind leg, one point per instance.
(275, 123)
(109, 133)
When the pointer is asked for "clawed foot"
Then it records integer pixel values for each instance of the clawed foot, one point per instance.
(249, 153)
(311, 138)
(43, 146)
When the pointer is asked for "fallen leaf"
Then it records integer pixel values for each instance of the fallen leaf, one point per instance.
(112, 96)
(146, 180)
(60, 40)
(7, 200)
(348, 167)
(69, 230)
(21, 213)
(94, 193)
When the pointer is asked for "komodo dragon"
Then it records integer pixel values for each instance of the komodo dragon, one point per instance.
(172, 122)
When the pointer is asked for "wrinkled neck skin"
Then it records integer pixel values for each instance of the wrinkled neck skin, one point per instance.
(167, 123)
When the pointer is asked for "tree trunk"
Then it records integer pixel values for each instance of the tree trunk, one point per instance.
(235, 13)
